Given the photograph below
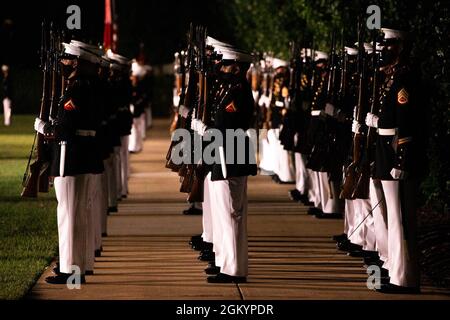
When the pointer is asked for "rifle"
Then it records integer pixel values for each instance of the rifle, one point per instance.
(363, 182)
(351, 173)
(35, 172)
(321, 129)
(192, 99)
(54, 52)
(184, 100)
(196, 194)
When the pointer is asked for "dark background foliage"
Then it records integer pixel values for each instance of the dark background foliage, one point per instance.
(255, 25)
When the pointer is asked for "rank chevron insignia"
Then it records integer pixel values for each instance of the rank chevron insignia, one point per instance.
(402, 96)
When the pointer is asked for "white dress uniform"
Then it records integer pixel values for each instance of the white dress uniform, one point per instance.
(118, 172)
(207, 222)
(302, 183)
(135, 140)
(111, 180)
(7, 110)
(230, 207)
(7, 103)
(329, 194)
(285, 166)
(124, 164)
(72, 194)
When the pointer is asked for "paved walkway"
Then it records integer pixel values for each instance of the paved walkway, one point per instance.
(146, 254)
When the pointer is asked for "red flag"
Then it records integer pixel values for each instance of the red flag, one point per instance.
(107, 34)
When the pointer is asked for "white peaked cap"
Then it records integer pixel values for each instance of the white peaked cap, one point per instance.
(351, 51)
(80, 53)
(138, 70)
(278, 63)
(320, 55)
(117, 58)
(214, 42)
(379, 46)
(94, 49)
(306, 52)
(393, 34)
(368, 47)
(238, 56)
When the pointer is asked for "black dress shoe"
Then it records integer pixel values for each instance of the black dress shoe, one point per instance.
(203, 246)
(363, 254)
(314, 211)
(207, 256)
(62, 278)
(112, 209)
(340, 237)
(394, 289)
(373, 261)
(295, 195)
(212, 270)
(348, 246)
(124, 196)
(195, 239)
(192, 211)
(224, 278)
(104, 234)
(98, 253)
(307, 203)
(89, 272)
(323, 215)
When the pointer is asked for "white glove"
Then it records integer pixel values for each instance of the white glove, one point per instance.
(372, 120)
(194, 125)
(329, 109)
(183, 111)
(39, 125)
(132, 108)
(201, 128)
(355, 126)
(398, 174)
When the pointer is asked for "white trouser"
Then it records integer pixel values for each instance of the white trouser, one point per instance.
(267, 156)
(313, 190)
(283, 166)
(99, 208)
(118, 172)
(111, 180)
(149, 116)
(7, 111)
(72, 194)
(349, 217)
(229, 199)
(286, 168)
(368, 226)
(143, 127)
(93, 220)
(403, 265)
(124, 165)
(329, 194)
(104, 199)
(207, 234)
(135, 142)
(354, 224)
(380, 223)
(301, 174)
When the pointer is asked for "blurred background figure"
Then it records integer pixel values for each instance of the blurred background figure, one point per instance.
(6, 95)
(140, 103)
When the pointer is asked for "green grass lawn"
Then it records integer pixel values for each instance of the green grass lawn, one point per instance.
(28, 233)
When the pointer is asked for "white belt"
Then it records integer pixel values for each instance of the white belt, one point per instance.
(279, 104)
(387, 132)
(316, 113)
(86, 133)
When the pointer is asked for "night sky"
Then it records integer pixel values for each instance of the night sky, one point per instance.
(160, 25)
